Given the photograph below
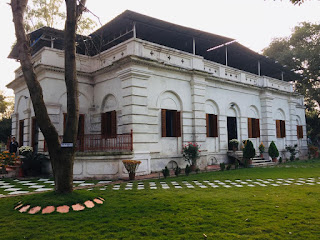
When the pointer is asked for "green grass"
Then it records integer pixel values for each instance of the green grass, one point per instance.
(285, 212)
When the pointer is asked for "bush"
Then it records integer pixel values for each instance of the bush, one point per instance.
(280, 160)
(222, 166)
(292, 150)
(187, 170)
(177, 171)
(166, 172)
(273, 150)
(236, 164)
(228, 167)
(191, 152)
(248, 150)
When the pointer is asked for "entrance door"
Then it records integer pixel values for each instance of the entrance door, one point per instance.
(232, 129)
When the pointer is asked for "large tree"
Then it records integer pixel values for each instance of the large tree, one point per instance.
(62, 159)
(301, 52)
(40, 13)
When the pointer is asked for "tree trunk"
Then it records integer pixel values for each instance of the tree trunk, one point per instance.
(61, 158)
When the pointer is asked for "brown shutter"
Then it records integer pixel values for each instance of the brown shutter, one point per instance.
(163, 123)
(215, 126)
(114, 124)
(300, 131)
(207, 124)
(278, 128)
(103, 124)
(249, 127)
(178, 124)
(283, 129)
(257, 128)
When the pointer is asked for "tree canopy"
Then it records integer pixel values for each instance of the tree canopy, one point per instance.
(40, 13)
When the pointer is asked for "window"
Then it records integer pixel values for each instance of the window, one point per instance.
(21, 132)
(109, 124)
(281, 128)
(212, 125)
(299, 131)
(253, 128)
(170, 123)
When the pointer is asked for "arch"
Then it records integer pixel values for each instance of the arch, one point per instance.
(233, 110)
(211, 107)
(280, 115)
(109, 103)
(22, 104)
(169, 100)
(253, 112)
(298, 120)
(172, 165)
(84, 102)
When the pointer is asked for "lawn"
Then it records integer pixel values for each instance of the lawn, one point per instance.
(271, 212)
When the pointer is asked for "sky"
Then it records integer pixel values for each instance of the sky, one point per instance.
(253, 23)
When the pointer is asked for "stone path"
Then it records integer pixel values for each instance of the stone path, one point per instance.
(21, 187)
(16, 186)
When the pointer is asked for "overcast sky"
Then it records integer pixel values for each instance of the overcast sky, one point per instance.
(254, 23)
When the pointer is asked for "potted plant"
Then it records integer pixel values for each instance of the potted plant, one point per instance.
(261, 149)
(233, 144)
(292, 150)
(248, 153)
(273, 151)
(131, 166)
(191, 153)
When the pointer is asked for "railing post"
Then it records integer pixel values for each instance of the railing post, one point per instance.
(131, 147)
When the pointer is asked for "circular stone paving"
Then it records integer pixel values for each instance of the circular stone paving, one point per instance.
(60, 209)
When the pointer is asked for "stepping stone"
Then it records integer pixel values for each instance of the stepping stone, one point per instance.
(7, 186)
(165, 187)
(227, 180)
(190, 186)
(237, 180)
(203, 186)
(270, 180)
(128, 189)
(18, 192)
(280, 179)
(217, 181)
(43, 189)
(244, 183)
(214, 186)
(89, 204)
(48, 209)
(89, 189)
(29, 184)
(37, 186)
(310, 183)
(49, 182)
(19, 206)
(318, 182)
(12, 189)
(262, 185)
(24, 182)
(298, 184)
(249, 180)
(276, 185)
(16, 180)
(177, 186)
(103, 182)
(63, 209)
(103, 189)
(34, 210)
(250, 185)
(24, 208)
(238, 185)
(279, 182)
(286, 184)
(77, 207)
(290, 179)
(153, 187)
(43, 179)
(206, 181)
(98, 201)
(221, 183)
(259, 179)
(76, 182)
(227, 186)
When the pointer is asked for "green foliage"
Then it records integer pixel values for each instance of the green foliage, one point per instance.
(166, 172)
(293, 151)
(5, 129)
(228, 167)
(273, 150)
(236, 164)
(32, 163)
(187, 170)
(222, 166)
(191, 153)
(313, 124)
(177, 171)
(280, 160)
(248, 150)
(48, 13)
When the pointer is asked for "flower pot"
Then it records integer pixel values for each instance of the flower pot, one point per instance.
(193, 167)
(132, 175)
(274, 160)
(261, 155)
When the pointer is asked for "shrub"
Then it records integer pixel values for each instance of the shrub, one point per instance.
(32, 163)
(273, 150)
(8, 159)
(222, 166)
(280, 160)
(228, 167)
(248, 150)
(313, 151)
(292, 150)
(187, 170)
(236, 164)
(166, 172)
(261, 148)
(177, 171)
(191, 153)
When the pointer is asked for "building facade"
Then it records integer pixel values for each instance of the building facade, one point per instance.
(145, 99)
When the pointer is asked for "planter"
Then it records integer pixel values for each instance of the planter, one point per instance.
(261, 155)
(132, 175)
(274, 159)
(193, 167)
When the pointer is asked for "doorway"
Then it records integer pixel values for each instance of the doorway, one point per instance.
(232, 129)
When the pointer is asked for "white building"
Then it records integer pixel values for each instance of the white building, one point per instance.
(157, 80)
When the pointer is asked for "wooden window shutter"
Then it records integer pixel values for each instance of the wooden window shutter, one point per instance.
(283, 129)
(257, 128)
(207, 124)
(250, 128)
(278, 128)
(300, 131)
(178, 124)
(163, 123)
(103, 124)
(215, 126)
(113, 124)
